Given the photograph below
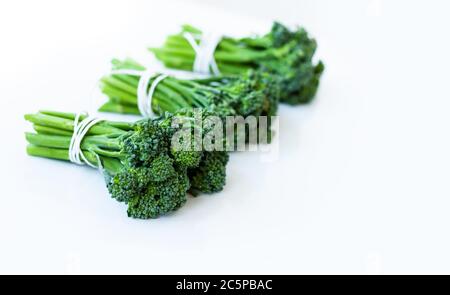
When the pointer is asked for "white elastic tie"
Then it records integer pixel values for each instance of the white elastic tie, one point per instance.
(204, 52)
(144, 98)
(80, 129)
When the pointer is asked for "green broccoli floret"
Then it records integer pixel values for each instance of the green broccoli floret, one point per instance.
(293, 64)
(125, 184)
(210, 175)
(254, 93)
(211, 164)
(147, 141)
(187, 159)
(161, 168)
(148, 181)
(160, 198)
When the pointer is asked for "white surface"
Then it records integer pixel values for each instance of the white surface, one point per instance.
(362, 180)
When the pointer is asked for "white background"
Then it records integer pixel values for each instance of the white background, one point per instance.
(361, 184)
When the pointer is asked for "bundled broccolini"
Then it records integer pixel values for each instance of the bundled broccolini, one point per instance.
(285, 54)
(253, 93)
(141, 166)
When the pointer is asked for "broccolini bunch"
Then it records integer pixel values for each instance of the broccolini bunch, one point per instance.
(287, 55)
(141, 166)
(253, 93)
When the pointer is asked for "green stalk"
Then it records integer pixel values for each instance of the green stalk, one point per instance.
(50, 130)
(109, 164)
(115, 107)
(59, 141)
(118, 94)
(119, 84)
(68, 124)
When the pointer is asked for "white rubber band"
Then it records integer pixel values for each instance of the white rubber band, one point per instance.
(80, 129)
(151, 91)
(144, 98)
(204, 62)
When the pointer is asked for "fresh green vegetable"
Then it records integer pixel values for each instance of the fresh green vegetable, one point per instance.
(254, 93)
(210, 174)
(283, 53)
(142, 167)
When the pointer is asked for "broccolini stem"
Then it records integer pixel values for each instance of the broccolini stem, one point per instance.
(125, 126)
(109, 164)
(182, 62)
(51, 130)
(117, 94)
(240, 55)
(115, 107)
(68, 124)
(58, 141)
